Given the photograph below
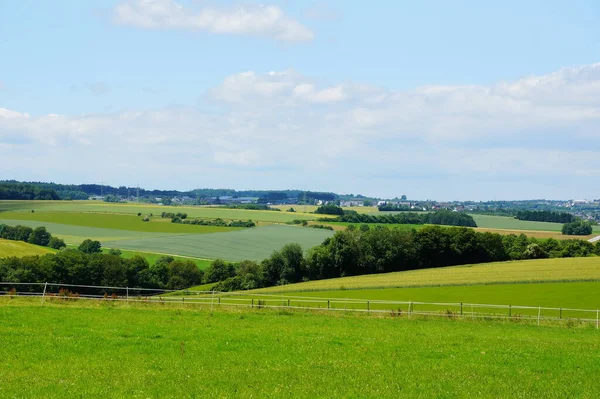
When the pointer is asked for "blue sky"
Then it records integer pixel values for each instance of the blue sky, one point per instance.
(433, 99)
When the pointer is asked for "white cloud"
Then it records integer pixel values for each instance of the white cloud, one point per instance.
(283, 129)
(255, 20)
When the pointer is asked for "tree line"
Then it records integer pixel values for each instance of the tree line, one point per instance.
(38, 236)
(22, 191)
(366, 250)
(545, 216)
(355, 251)
(441, 217)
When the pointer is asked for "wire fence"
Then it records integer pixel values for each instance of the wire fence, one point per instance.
(214, 299)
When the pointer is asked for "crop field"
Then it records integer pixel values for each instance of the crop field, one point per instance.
(108, 350)
(134, 209)
(248, 244)
(75, 234)
(536, 234)
(115, 221)
(539, 270)
(153, 257)
(18, 248)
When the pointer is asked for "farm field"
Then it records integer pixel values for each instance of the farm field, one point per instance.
(539, 270)
(10, 248)
(509, 223)
(577, 295)
(134, 209)
(114, 221)
(76, 234)
(248, 244)
(107, 350)
(557, 235)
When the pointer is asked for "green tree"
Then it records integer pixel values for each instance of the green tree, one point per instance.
(56, 243)
(39, 236)
(90, 246)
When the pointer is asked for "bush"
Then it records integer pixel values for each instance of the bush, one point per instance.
(329, 209)
(145, 219)
(139, 213)
(90, 247)
(39, 236)
(57, 243)
(577, 228)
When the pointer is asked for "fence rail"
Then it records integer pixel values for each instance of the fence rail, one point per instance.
(49, 291)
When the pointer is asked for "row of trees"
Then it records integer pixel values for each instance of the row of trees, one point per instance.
(367, 250)
(215, 222)
(545, 216)
(251, 207)
(393, 208)
(23, 191)
(72, 266)
(442, 217)
(37, 236)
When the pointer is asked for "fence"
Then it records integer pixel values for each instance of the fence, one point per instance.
(50, 291)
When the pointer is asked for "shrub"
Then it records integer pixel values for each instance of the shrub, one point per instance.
(57, 243)
(139, 213)
(577, 228)
(39, 236)
(90, 247)
(145, 219)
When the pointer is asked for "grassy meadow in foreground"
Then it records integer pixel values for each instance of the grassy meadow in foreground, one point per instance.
(108, 350)
(10, 248)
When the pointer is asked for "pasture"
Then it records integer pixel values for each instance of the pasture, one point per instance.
(10, 248)
(509, 223)
(207, 212)
(114, 350)
(526, 271)
(248, 244)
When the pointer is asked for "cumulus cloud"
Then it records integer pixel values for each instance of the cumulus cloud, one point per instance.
(256, 20)
(284, 129)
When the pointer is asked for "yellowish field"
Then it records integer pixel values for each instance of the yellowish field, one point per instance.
(10, 248)
(565, 269)
(535, 233)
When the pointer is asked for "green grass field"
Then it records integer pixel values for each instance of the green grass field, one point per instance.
(134, 209)
(248, 244)
(539, 270)
(18, 248)
(115, 221)
(509, 223)
(107, 350)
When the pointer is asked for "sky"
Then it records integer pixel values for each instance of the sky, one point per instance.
(461, 100)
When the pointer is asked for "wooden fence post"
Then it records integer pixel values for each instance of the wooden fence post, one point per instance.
(44, 293)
